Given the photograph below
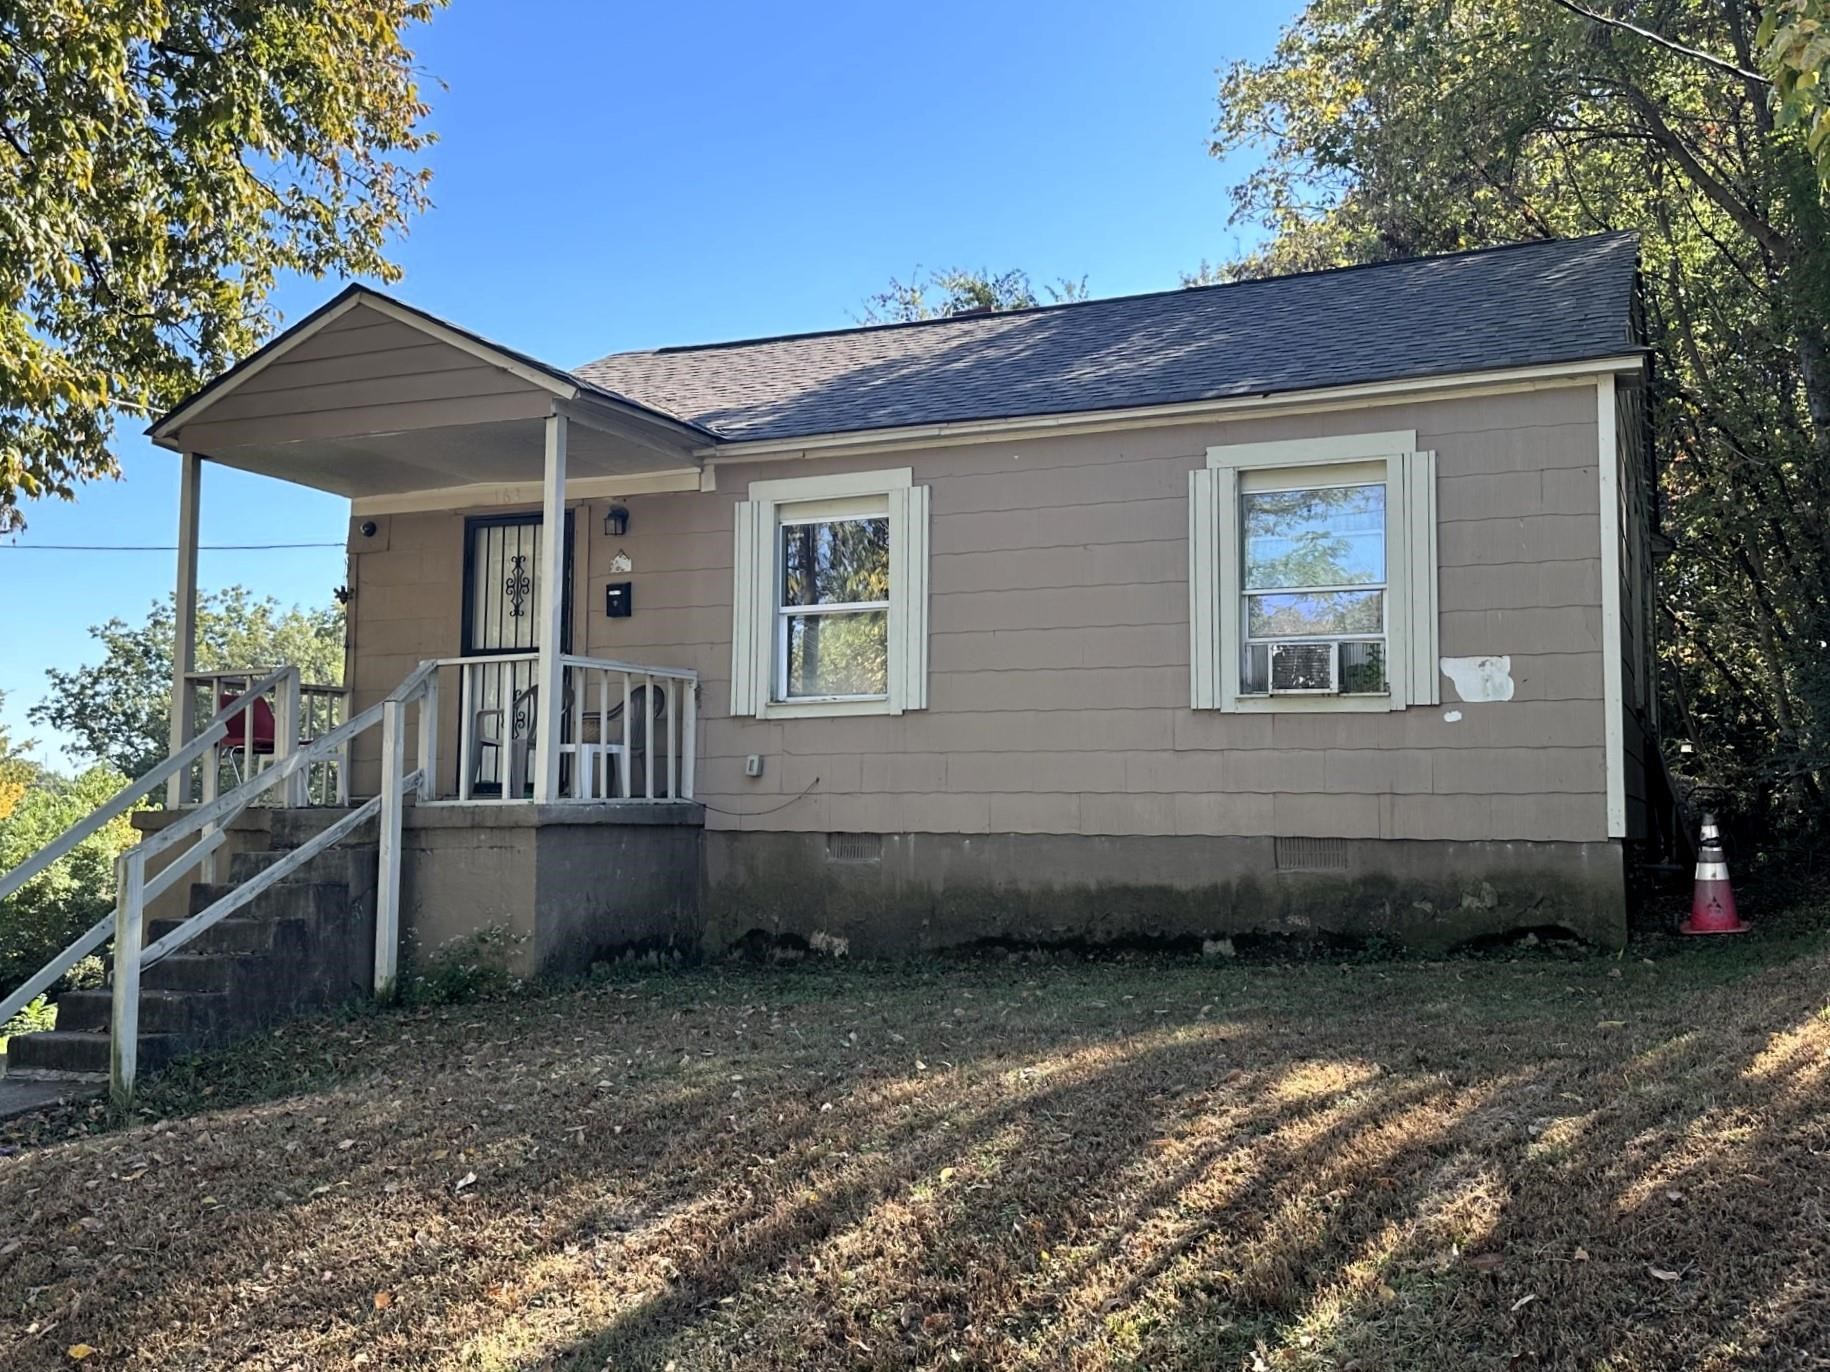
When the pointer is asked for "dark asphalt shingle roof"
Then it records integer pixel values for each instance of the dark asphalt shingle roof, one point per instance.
(1514, 306)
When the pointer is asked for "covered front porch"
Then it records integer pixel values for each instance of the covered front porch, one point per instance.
(407, 416)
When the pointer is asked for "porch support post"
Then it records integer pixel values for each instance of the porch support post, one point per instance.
(550, 669)
(184, 623)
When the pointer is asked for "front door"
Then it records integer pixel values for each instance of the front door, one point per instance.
(502, 615)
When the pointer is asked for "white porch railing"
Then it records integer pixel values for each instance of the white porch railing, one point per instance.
(291, 713)
(625, 731)
(203, 827)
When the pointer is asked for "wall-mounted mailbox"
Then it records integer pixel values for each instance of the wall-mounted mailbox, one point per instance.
(619, 599)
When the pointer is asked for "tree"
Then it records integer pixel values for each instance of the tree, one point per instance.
(16, 770)
(60, 902)
(118, 709)
(1795, 54)
(1403, 127)
(935, 295)
(161, 166)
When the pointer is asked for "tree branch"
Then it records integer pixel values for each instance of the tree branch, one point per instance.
(1711, 185)
(1694, 54)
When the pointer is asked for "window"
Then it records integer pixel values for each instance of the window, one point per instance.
(1315, 593)
(831, 597)
(833, 631)
(1313, 575)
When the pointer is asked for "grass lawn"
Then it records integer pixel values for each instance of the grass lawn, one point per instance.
(1515, 1162)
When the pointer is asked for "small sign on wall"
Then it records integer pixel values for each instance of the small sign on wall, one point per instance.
(621, 563)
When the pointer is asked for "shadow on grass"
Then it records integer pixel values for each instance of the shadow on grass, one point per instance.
(1149, 1165)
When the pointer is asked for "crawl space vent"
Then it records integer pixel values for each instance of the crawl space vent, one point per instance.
(854, 847)
(1311, 855)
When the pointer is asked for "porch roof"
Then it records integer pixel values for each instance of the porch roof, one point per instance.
(369, 397)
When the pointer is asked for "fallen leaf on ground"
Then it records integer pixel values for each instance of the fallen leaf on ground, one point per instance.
(468, 1179)
(383, 1299)
(1662, 1274)
(79, 1351)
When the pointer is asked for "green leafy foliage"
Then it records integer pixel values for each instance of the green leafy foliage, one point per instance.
(16, 771)
(957, 290)
(118, 709)
(477, 966)
(1404, 127)
(161, 165)
(1794, 42)
(59, 903)
(38, 1015)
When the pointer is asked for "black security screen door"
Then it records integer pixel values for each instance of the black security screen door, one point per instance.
(502, 616)
(502, 596)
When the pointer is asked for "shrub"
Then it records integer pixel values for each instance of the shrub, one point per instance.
(474, 967)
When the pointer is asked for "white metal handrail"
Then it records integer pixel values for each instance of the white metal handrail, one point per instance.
(206, 823)
(129, 795)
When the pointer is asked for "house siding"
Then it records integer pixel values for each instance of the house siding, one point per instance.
(1059, 649)
(1059, 677)
(1059, 644)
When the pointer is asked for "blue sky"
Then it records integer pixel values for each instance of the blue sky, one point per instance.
(621, 176)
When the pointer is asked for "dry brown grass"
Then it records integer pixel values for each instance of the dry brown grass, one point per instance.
(1595, 1164)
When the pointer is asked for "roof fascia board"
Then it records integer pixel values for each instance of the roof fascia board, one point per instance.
(486, 494)
(1317, 400)
(651, 429)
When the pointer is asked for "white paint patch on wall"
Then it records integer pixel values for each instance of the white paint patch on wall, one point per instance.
(1480, 678)
(1452, 716)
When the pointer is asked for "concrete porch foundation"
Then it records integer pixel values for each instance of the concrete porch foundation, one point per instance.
(567, 883)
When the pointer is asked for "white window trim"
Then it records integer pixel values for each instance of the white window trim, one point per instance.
(1216, 573)
(755, 614)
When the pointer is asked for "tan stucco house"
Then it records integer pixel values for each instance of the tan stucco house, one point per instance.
(1316, 604)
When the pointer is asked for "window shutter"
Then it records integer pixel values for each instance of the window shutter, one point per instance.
(1425, 634)
(909, 597)
(1204, 588)
(749, 654)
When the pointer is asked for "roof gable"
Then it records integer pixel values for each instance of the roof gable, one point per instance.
(332, 342)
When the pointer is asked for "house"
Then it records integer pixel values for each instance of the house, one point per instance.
(1317, 605)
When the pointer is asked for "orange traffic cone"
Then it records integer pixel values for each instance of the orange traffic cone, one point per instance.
(1712, 904)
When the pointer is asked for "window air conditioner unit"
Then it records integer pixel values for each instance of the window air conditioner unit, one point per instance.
(1306, 669)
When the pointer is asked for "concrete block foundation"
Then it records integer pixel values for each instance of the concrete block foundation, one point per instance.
(902, 893)
(572, 884)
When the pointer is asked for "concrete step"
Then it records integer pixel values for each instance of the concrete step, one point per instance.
(208, 971)
(329, 865)
(290, 828)
(245, 865)
(287, 900)
(72, 1050)
(240, 935)
(161, 1011)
